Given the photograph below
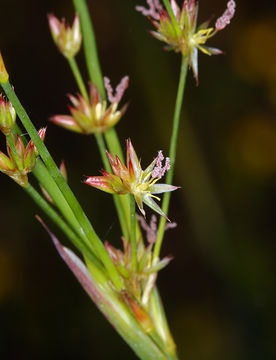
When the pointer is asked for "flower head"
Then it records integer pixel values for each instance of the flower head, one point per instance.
(91, 116)
(179, 28)
(18, 165)
(7, 116)
(141, 282)
(131, 179)
(68, 40)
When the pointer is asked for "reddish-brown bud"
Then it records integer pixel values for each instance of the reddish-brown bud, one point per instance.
(4, 76)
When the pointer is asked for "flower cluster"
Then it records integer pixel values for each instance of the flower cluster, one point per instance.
(17, 165)
(135, 282)
(68, 40)
(93, 115)
(140, 283)
(179, 28)
(131, 179)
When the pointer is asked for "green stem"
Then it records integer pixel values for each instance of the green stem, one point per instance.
(90, 46)
(53, 215)
(117, 200)
(113, 143)
(160, 322)
(63, 186)
(45, 179)
(132, 210)
(42, 175)
(102, 150)
(172, 155)
(76, 72)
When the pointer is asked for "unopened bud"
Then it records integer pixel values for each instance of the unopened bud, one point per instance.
(21, 160)
(4, 76)
(42, 133)
(68, 40)
(7, 116)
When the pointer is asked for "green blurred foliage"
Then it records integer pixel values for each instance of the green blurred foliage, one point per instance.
(219, 291)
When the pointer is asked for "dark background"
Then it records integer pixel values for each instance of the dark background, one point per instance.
(219, 292)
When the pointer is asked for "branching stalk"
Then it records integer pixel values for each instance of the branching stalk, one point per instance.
(63, 186)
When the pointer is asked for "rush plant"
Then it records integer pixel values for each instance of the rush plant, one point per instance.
(121, 282)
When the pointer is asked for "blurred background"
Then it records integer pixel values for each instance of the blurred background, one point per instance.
(219, 291)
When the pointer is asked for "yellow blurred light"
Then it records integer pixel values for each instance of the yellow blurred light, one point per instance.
(7, 274)
(254, 51)
(253, 146)
(201, 333)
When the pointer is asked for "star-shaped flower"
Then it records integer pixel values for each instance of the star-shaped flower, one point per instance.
(179, 28)
(93, 115)
(131, 179)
